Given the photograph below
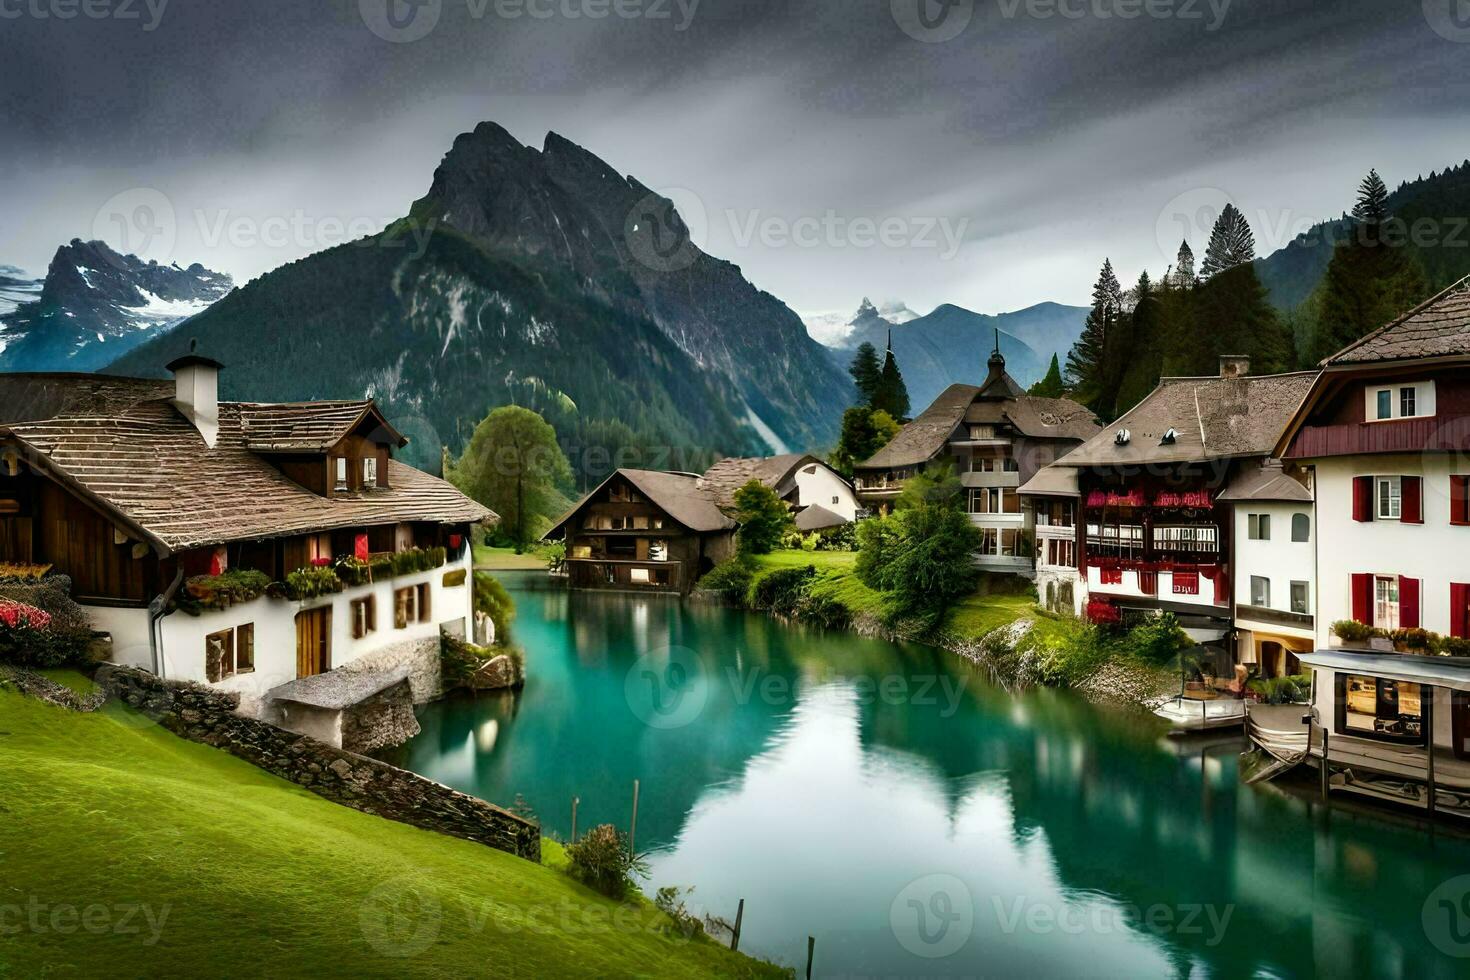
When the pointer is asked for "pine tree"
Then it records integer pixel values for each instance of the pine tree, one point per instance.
(1372, 206)
(1234, 316)
(1052, 385)
(1231, 243)
(1145, 358)
(892, 395)
(1369, 281)
(866, 372)
(1085, 361)
(1184, 264)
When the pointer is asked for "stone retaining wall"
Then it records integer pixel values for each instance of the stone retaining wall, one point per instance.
(209, 717)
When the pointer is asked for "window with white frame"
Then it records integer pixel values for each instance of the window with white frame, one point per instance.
(1300, 603)
(1386, 602)
(370, 471)
(341, 472)
(1400, 401)
(1260, 591)
(1390, 494)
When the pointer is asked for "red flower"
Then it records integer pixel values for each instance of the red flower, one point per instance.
(320, 562)
(18, 615)
(1102, 612)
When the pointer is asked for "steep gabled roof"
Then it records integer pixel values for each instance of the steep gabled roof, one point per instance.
(1212, 418)
(729, 475)
(677, 494)
(1038, 418)
(1439, 327)
(309, 427)
(121, 445)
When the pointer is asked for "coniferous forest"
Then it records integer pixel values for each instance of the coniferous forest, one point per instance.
(1329, 287)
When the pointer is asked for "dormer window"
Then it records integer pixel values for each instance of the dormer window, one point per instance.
(370, 471)
(341, 466)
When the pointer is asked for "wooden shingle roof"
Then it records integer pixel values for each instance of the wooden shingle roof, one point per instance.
(123, 446)
(677, 494)
(1439, 327)
(1212, 418)
(729, 475)
(307, 426)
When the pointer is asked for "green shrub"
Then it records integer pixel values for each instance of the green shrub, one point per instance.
(222, 591)
(602, 861)
(41, 626)
(1284, 690)
(879, 540)
(730, 578)
(1413, 639)
(1351, 631)
(781, 591)
(354, 571)
(764, 518)
(1158, 640)
(1454, 646)
(313, 581)
(823, 611)
(493, 600)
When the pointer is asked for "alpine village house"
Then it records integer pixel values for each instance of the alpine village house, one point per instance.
(995, 437)
(147, 493)
(1162, 494)
(643, 530)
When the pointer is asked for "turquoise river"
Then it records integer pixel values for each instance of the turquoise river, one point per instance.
(917, 821)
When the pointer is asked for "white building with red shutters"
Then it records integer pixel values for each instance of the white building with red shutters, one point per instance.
(1386, 428)
(1159, 492)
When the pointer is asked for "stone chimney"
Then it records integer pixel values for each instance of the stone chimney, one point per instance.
(1235, 365)
(196, 391)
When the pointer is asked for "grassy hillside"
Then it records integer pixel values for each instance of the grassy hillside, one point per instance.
(129, 852)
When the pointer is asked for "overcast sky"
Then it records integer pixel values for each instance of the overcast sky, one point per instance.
(987, 153)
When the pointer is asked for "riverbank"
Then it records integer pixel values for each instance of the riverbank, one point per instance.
(127, 847)
(1000, 627)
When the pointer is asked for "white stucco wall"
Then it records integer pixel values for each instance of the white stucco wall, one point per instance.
(182, 635)
(819, 488)
(1435, 552)
(1279, 560)
(1129, 588)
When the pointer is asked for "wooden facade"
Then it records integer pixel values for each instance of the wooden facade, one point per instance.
(619, 538)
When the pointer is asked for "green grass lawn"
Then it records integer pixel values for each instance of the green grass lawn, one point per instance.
(970, 618)
(504, 559)
(127, 852)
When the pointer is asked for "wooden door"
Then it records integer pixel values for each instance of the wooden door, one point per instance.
(314, 642)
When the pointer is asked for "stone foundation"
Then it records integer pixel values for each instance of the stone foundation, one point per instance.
(211, 718)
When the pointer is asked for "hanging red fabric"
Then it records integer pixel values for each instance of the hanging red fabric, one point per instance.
(360, 547)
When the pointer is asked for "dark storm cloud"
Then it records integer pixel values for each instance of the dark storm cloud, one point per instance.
(1052, 131)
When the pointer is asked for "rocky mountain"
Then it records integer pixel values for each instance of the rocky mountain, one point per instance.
(951, 344)
(537, 277)
(833, 328)
(95, 305)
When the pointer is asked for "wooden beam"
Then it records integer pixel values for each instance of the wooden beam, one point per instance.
(1429, 731)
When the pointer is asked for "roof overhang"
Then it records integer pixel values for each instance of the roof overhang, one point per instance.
(1451, 672)
(42, 463)
(1333, 377)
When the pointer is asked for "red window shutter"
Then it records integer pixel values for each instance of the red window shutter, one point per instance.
(1363, 599)
(1460, 500)
(1148, 583)
(1459, 609)
(1413, 500)
(1408, 603)
(1222, 588)
(1362, 498)
(360, 547)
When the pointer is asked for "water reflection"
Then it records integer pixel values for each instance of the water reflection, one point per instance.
(863, 792)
